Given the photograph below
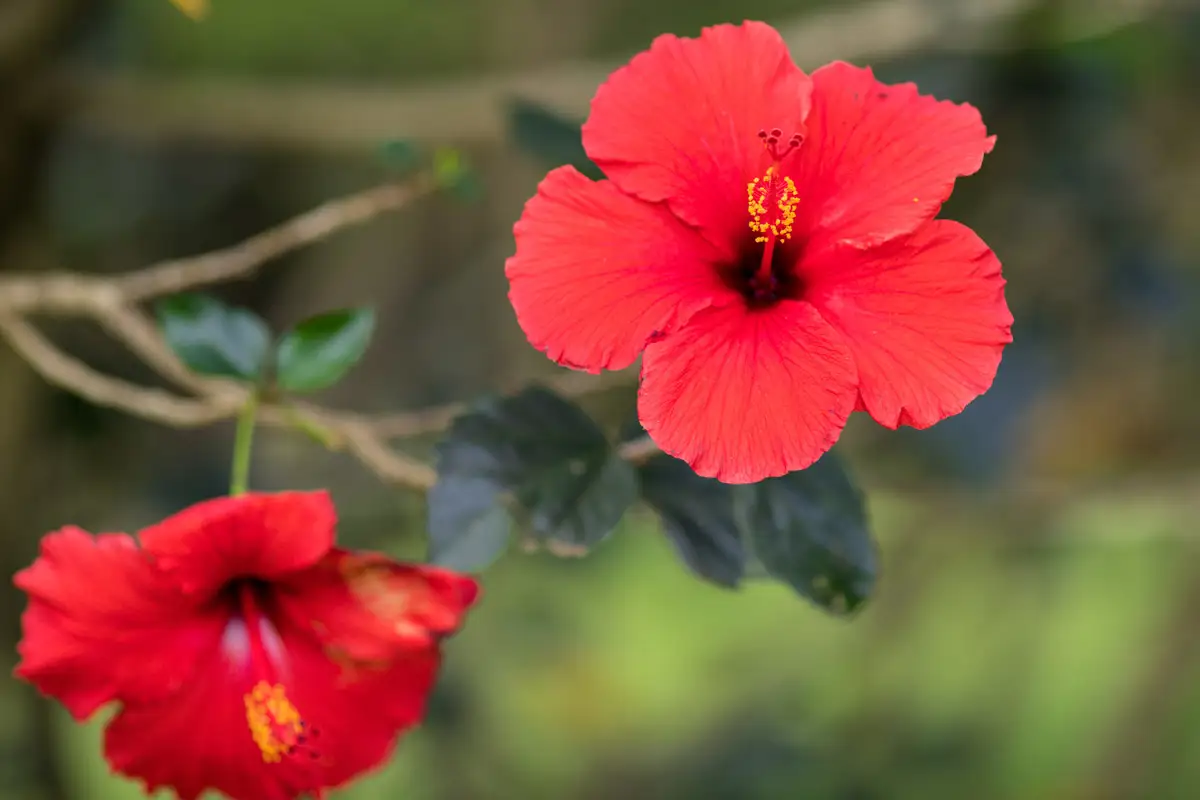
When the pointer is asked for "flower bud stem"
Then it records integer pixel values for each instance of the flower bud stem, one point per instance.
(242, 444)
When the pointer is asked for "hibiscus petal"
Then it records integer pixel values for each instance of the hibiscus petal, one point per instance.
(924, 316)
(361, 715)
(597, 273)
(259, 535)
(364, 607)
(879, 160)
(196, 740)
(743, 395)
(200, 739)
(680, 122)
(102, 623)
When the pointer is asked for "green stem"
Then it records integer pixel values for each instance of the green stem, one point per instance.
(323, 436)
(243, 441)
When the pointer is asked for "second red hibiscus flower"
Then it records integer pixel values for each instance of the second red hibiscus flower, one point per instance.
(246, 653)
(767, 242)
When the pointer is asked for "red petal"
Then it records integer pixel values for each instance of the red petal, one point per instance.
(745, 395)
(680, 122)
(195, 740)
(597, 273)
(259, 535)
(364, 607)
(879, 160)
(361, 716)
(924, 316)
(199, 739)
(103, 623)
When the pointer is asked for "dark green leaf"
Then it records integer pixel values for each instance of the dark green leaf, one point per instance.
(319, 352)
(550, 456)
(698, 518)
(549, 137)
(213, 339)
(809, 529)
(468, 524)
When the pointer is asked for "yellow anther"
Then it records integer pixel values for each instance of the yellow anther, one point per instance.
(274, 722)
(772, 201)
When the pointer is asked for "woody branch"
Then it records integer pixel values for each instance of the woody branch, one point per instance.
(114, 303)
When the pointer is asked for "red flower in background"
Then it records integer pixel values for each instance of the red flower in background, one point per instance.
(248, 655)
(767, 242)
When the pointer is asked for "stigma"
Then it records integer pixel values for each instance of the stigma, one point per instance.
(275, 724)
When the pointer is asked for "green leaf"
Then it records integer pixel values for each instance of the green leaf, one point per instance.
(455, 175)
(545, 452)
(319, 352)
(553, 139)
(400, 156)
(809, 530)
(469, 526)
(213, 339)
(698, 518)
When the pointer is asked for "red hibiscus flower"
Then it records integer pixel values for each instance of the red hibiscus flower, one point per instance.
(248, 655)
(766, 241)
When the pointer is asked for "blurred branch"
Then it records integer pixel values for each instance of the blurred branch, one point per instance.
(242, 260)
(112, 302)
(474, 109)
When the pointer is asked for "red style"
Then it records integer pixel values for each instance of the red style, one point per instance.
(767, 242)
(247, 653)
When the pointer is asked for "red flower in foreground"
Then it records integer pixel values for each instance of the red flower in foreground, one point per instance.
(247, 654)
(767, 241)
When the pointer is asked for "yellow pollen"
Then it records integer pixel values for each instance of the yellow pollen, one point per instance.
(772, 202)
(274, 722)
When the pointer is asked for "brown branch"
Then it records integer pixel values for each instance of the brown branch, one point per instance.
(312, 117)
(639, 450)
(70, 373)
(242, 260)
(112, 302)
(403, 424)
(130, 325)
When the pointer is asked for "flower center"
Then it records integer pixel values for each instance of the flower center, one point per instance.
(275, 723)
(771, 201)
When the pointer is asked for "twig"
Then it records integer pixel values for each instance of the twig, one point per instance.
(242, 260)
(331, 117)
(639, 450)
(403, 424)
(105, 301)
(113, 304)
(70, 373)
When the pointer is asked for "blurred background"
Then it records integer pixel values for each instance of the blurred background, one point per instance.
(1036, 629)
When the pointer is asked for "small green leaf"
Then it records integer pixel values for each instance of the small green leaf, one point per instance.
(213, 339)
(469, 526)
(698, 518)
(549, 137)
(549, 455)
(319, 352)
(400, 156)
(455, 175)
(809, 530)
